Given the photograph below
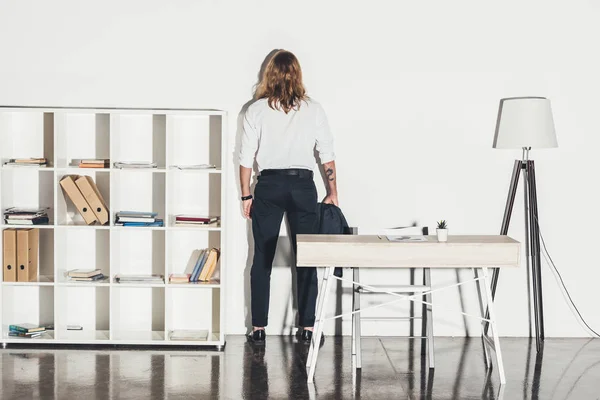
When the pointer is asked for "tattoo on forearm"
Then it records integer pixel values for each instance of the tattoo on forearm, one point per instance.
(330, 174)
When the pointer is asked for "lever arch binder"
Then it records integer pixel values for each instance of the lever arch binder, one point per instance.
(92, 195)
(9, 237)
(27, 254)
(71, 190)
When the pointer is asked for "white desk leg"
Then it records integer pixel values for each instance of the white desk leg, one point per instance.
(315, 343)
(493, 324)
(311, 347)
(354, 289)
(429, 316)
(482, 308)
(357, 326)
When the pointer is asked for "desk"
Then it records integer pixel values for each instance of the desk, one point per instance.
(361, 251)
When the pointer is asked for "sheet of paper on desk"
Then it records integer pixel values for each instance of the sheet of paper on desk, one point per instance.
(399, 238)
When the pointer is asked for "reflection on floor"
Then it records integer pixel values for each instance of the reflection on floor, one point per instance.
(392, 369)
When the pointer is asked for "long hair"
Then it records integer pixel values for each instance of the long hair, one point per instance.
(281, 82)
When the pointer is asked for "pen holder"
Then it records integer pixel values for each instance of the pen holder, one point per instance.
(442, 235)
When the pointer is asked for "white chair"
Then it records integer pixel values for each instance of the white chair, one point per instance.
(426, 316)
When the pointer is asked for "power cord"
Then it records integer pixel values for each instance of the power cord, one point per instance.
(551, 262)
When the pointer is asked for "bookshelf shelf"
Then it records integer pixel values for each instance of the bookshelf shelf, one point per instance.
(196, 171)
(83, 335)
(17, 168)
(80, 225)
(195, 285)
(137, 285)
(138, 337)
(100, 283)
(194, 228)
(42, 280)
(137, 228)
(111, 312)
(4, 226)
(139, 170)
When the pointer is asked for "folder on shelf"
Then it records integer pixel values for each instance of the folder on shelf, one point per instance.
(9, 237)
(92, 195)
(71, 190)
(27, 254)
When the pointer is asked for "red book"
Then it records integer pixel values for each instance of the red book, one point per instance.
(190, 218)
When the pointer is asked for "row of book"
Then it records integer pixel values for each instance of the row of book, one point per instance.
(31, 331)
(204, 268)
(101, 163)
(93, 275)
(84, 194)
(85, 275)
(92, 163)
(195, 220)
(26, 216)
(27, 162)
(135, 165)
(153, 278)
(26, 330)
(138, 218)
(20, 248)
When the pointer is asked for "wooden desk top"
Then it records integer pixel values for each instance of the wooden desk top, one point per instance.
(371, 251)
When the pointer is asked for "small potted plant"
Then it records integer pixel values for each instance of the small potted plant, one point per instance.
(442, 231)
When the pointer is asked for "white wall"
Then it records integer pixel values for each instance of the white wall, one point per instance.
(411, 90)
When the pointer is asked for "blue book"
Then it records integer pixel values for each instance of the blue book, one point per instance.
(198, 267)
(158, 222)
(138, 214)
(202, 263)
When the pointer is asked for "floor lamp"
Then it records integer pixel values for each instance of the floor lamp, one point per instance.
(526, 123)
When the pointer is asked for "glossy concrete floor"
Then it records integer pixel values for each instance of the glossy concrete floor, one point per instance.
(392, 369)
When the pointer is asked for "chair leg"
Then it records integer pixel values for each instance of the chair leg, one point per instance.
(429, 316)
(357, 326)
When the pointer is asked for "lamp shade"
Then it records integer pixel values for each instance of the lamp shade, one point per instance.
(525, 122)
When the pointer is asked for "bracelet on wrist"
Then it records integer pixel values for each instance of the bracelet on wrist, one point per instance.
(249, 197)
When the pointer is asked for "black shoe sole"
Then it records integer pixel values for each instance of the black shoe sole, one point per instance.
(250, 340)
(307, 342)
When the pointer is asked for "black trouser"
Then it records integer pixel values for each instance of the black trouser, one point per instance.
(275, 194)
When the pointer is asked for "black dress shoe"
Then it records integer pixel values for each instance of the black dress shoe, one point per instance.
(307, 335)
(257, 337)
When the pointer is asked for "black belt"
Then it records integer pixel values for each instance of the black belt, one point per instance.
(302, 173)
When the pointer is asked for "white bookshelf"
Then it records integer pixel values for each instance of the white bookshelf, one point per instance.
(111, 312)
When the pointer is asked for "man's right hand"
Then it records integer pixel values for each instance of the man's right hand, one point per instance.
(331, 199)
(247, 208)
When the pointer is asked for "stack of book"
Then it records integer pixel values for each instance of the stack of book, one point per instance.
(137, 218)
(195, 220)
(25, 216)
(26, 330)
(27, 162)
(94, 163)
(179, 278)
(195, 166)
(135, 165)
(206, 265)
(141, 279)
(85, 275)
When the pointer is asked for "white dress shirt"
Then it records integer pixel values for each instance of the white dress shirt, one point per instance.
(280, 140)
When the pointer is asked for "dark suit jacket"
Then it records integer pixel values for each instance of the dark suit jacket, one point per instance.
(332, 222)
